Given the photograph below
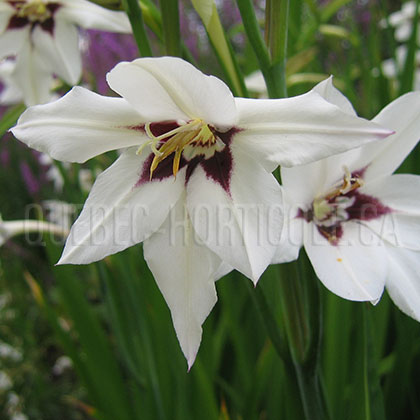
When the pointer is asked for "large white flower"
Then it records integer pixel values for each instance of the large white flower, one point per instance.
(44, 37)
(195, 181)
(359, 224)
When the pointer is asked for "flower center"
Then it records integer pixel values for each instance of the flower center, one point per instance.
(336, 206)
(189, 140)
(330, 208)
(34, 11)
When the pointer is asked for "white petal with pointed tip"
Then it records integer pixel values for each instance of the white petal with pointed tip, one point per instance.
(89, 15)
(168, 88)
(6, 12)
(355, 269)
(61, 51)
(298, 130)
(243, 229)
(119, 214)
(330, 93)
(401, 193)
(79, 126)
(402, 116)
(403, 280)
(184, 271)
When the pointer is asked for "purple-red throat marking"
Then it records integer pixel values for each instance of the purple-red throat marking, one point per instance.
(364, 208)
(217, 168)
(18, 22)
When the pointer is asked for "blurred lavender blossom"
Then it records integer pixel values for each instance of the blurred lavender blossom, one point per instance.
(101, 52)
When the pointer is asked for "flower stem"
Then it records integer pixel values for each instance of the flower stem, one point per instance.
(273, 71)
(277, 16)
(301, 311)
(135, 16)
(171, 32)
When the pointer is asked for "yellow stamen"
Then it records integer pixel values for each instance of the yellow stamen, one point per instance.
(35, 11)
(195, 133)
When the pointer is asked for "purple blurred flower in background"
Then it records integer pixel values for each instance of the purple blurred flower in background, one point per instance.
(101, 52)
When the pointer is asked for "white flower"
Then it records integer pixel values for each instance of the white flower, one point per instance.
(402, 21)
(359, 224)
(255, 83)
(392, 68)
(62, 364)
(9, 352)
(195, 182)
(5, 382)
(60, 213)
(44, 37)
(10, 94)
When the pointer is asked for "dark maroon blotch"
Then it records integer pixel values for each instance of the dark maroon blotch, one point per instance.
(366, 207)
(219, 168)
(16, 22)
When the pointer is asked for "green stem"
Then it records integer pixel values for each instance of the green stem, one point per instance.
(171, 32)
(135, 16)
(277, 27)
(256, 40)
(296, 294)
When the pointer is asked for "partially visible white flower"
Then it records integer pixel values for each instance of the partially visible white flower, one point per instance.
(60, 213)
(255, 83)
(4, 300)
(53, 174)
(9, 352)
(13, 401)
(402, 21)
(86, 178)
(62, 364)
(10, 94)
(5, 382)
(359, 223)
(19, 416)
(392, 68)
(43, 36)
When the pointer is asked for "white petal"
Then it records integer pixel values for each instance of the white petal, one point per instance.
(299, 130)
(32, 78)
(401, 193)
(355, 269)
(168, 88)
(402, 116)
(61, 51)
(79, 126)
(403, 280)
(13, 40)
(11, 94)
(242, 229)
(184, 271)
(291, 236)
(328, 91)
(91, 16)
(6, 12)
(118, 213)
